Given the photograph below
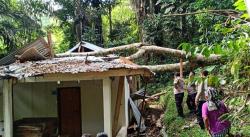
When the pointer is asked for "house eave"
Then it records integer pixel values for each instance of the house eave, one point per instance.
(85, 75)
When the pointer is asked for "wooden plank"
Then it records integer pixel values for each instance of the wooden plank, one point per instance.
(118, 104)
(127, 95)
(122, 132)
(50, 45)
(137, 115)
(85, 75)
(7, 108)
(107, 114)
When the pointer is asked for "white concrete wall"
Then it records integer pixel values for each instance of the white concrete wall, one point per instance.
(40, 100)
(34, 100)
(92, 106)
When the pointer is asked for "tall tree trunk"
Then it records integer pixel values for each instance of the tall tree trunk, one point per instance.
(110, 20)
(98, 22)
(78, 21)
(142, 14)
(183, 22)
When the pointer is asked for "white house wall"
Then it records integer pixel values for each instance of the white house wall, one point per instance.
(92, 106)
(34, 100)
(40, 100)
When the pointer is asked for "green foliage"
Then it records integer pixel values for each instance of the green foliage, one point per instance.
(173, 30)
(241, 6)
(213, 81)
(124, 25)
(60, 43)
(175, 124)
(20, 22)
(232, 43)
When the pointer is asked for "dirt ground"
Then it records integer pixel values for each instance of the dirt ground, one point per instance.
(153, 115)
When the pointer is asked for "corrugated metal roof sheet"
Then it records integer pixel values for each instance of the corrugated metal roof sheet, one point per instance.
(40, 45)
(87, 45)
(72, 65)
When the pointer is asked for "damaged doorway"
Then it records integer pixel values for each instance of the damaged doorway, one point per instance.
(69, 111)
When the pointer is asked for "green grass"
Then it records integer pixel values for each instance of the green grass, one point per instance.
(174, 124)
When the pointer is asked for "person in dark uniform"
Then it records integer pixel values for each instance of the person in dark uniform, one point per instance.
(200, 98)
(179, 93)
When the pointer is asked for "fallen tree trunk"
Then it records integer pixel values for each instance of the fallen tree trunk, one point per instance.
(143, 49)
(102, 52)
(168, 67)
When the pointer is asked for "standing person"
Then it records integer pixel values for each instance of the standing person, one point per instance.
(212, 110)
(191, 89)
(179, 93)
(200, 98)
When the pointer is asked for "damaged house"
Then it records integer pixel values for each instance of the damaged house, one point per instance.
(68, 96)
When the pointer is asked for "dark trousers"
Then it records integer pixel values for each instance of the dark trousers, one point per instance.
(199, 114)
(191, 102)
(178, 102)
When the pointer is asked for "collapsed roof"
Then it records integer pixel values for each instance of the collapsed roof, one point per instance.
(39, 49)
(71, 65)
(36, 60)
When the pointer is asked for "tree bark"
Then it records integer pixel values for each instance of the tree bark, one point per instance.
(98, 22)
(110, 19)
(78, 21)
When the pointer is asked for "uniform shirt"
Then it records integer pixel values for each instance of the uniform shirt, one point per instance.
(191, 88)
(216, 125)
(178, 85)
(201, 91)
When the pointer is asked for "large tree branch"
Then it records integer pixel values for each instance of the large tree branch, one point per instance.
(172, 52)
(143, 49)
(102, 52)
(167, 67)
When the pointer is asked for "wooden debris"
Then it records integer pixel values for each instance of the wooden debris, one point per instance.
(137, 115)
(30, 55)
(155, 96)
(118, 104)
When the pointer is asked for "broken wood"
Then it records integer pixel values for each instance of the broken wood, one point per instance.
(51, 52)
(155, 96)
(137, 115)
(31, 54)
(118, 104)
(138, 94)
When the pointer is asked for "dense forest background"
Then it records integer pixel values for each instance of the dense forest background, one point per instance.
(196, 26)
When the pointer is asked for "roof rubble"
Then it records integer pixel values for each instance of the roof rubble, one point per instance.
(71, 65)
